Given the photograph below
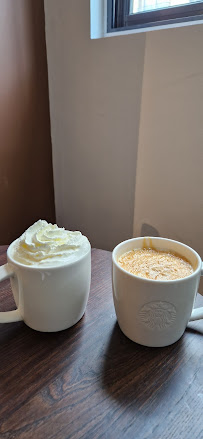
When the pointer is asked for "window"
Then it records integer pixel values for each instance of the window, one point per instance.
(132, 14)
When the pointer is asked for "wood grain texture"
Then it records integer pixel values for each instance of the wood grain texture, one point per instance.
(91, 382)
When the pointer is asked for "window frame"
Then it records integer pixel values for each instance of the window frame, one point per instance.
(120, 18)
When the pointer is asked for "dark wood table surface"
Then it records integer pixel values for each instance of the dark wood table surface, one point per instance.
(92, 382)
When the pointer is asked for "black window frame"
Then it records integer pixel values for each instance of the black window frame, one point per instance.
(119, 17)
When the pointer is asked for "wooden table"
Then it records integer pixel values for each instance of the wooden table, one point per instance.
(91, 382)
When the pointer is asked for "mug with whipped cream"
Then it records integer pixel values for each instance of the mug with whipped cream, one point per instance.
(50, 273)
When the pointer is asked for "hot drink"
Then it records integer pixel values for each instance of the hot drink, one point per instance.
(154, 264)
(46, 244)
(50, 273)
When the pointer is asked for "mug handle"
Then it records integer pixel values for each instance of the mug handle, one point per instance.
(8, 316)
(197, 313)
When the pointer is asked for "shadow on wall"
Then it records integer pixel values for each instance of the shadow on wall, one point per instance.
(148, 230)
(26, 181)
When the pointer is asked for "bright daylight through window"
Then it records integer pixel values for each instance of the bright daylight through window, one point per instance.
(132, 14)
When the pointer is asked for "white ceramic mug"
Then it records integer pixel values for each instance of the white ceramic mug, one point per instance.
(153, 312)
(48, 299)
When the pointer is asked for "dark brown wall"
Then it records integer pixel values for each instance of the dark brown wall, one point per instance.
(26, 180)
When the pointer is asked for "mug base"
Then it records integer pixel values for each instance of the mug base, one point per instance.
(51, 330)
(149, 344)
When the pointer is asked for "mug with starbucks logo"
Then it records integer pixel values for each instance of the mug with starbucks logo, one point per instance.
(155, 281)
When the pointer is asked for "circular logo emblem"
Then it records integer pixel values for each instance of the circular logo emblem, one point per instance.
(157, 315)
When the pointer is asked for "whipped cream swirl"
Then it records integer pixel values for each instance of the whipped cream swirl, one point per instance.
(45, 244)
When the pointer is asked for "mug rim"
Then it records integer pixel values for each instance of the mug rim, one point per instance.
(145, 279)
(45, 267)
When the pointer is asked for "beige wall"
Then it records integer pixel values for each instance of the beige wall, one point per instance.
(26, 182)
(95, 92)
(169, 180)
